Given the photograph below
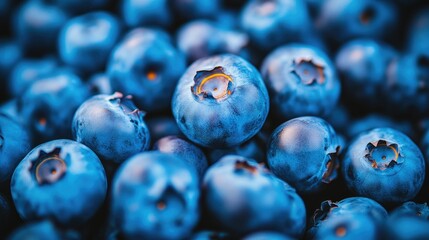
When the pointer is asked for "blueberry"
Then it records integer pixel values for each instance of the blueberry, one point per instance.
(409, 221)
(37, 25)
(15, 143)
(220, 101)
(342, 20)
(304, 153)
(271, 23)
(419, 210)
(385, 165)
(419, 30)
(332, 213)
(27, 71)
(43, 230)
(62, 180)
(11, 54)
(85, 41)
(301, 81)
(245, 197)
(146, 13)
(155, 196)
(147, 66)
(112, 126)
(362, 65)
(48, 105)
(204, 38)
(190, 153)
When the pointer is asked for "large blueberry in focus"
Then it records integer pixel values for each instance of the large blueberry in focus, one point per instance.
(271, 23)
(85, 42)
(220, 101)
(155, 196)
(342, 20)
(190, 153)
(203, 38)
(301, 81)
(43, 230)
(27, 71)
(147, 66)
(15, 143)
(112, 126)
(62, 180)
(48, 105)
(138, 13)
(304, 153)
(37, 25)
(385, 165)
(245, 197)
(362, 66)
(350, 211)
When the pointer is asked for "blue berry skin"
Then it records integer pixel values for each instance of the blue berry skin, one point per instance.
(196, 9)
(27, 71)
(406, 90)
(252, 198)
(267, 235)
(15, 143)
(301, 81)
(304, 153)
(362, 65)
(138, 13)
(155, 196)
(385, 165)
(43, 230)
(62, 180)
(204, 38)
(48, 105)
(419, 30)
(37, 25)
(409, 221)
(190, 153)
(342, 20)
(85, 41)
(420, 210)
(147, 66)
(163, 126)
(331, 212)
(112, 126)
(100, 84)
(349, 227)
(220, 101)
(275, 22)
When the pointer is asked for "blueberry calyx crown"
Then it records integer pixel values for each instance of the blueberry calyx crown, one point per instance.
(331, 166)
(212, 84)
(308, 72)
(126, 104)
(322, 213)
(383, 154)
(245, 166)
(49, 167)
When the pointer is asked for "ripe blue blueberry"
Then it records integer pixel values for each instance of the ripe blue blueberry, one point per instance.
(146, 13)
(147, 66)
(85, 41)
(190, 153)
(271, 23)
(203, 38)
(418, 33)
(301, 81)
(62, 180)
(344, 211)
(304, 153)
(385, 165)
(11, 54)
(409, 221)
(112, 126)
(341, 20)
(155, 196)
(48, 105)
(252, 198)
(43, 230)
(15, 143)
(220, 101)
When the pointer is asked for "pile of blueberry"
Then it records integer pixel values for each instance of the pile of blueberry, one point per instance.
(214, 119)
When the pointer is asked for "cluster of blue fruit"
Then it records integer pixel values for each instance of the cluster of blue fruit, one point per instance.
(214, 119)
